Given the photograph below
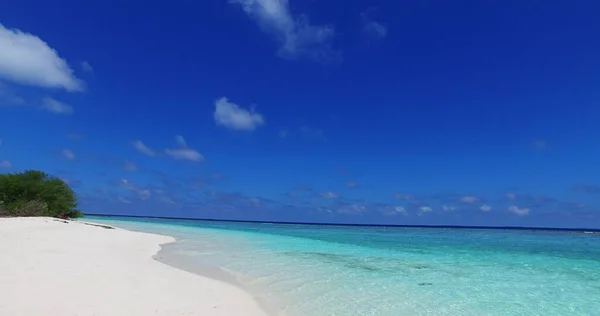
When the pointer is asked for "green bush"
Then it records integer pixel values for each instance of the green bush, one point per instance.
(35, 193)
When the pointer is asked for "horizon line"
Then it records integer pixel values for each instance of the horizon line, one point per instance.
(582, 230)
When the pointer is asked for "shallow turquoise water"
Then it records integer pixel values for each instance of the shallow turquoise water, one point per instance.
(334, 270)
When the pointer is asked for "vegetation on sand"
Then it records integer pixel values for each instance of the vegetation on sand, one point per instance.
(35, 193)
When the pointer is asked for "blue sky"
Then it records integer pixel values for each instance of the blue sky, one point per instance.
(389, 112)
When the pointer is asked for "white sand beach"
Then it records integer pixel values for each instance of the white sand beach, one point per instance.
(48, 267)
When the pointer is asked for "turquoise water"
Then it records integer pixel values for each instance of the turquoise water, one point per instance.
(306, 270)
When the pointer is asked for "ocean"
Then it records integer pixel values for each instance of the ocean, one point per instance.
(323, 270)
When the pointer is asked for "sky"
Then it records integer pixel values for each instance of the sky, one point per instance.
(365, 112)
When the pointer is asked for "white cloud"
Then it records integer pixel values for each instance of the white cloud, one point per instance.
(123, 200)
(371, 28)
(511, 196)
(401, 210)
(519, 211)
(68, 154)
(26, 59)
(329, 195)
(312, 132)
(469, 199)
(181, 141)
(57, 107)
(129, 166)
(166, 199)
(296, 36)
(142, 193)
(184, 154)
(448, 208)
(352, 185)
(485, 208)
(231, 115)
(374, 29)
(85, 66)
(541, 144)
(75, 136)
(8, 97)
(352, 209)
(425, 209)
(5, 164)
(142, 148)
(401, 196)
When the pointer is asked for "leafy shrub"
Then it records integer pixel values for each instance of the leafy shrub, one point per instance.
(35, 193)
(29, 208)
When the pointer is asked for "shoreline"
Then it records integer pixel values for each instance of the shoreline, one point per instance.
(169, 257)
(82, 268)
(269, 306)
(166, 256)
(213, 272)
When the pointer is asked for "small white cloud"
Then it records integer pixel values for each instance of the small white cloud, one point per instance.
(75, 136)
(297, 37)
(375, 30)
(26, 59)
(231, 115)
(292, 195)
(86, 67)
(5, 164)
(485, 208)
(57, 107)
(8, 97)
(312, 132)
(425, 209)
(371, 28)
(401, 210)
(511, 196)
(401, 196)
(541, 144)
(519, 211)
(143, 194)
(181, 141)
(352, 209)
(352, 185)
(469, 199)
(129, 166)
(166, 199)
(68, 154)
(448, 208)
(142, 148)
(329, 195)
(123, 200)
(184, 154)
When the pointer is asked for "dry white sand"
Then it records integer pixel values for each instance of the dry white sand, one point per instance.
(48, 267)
